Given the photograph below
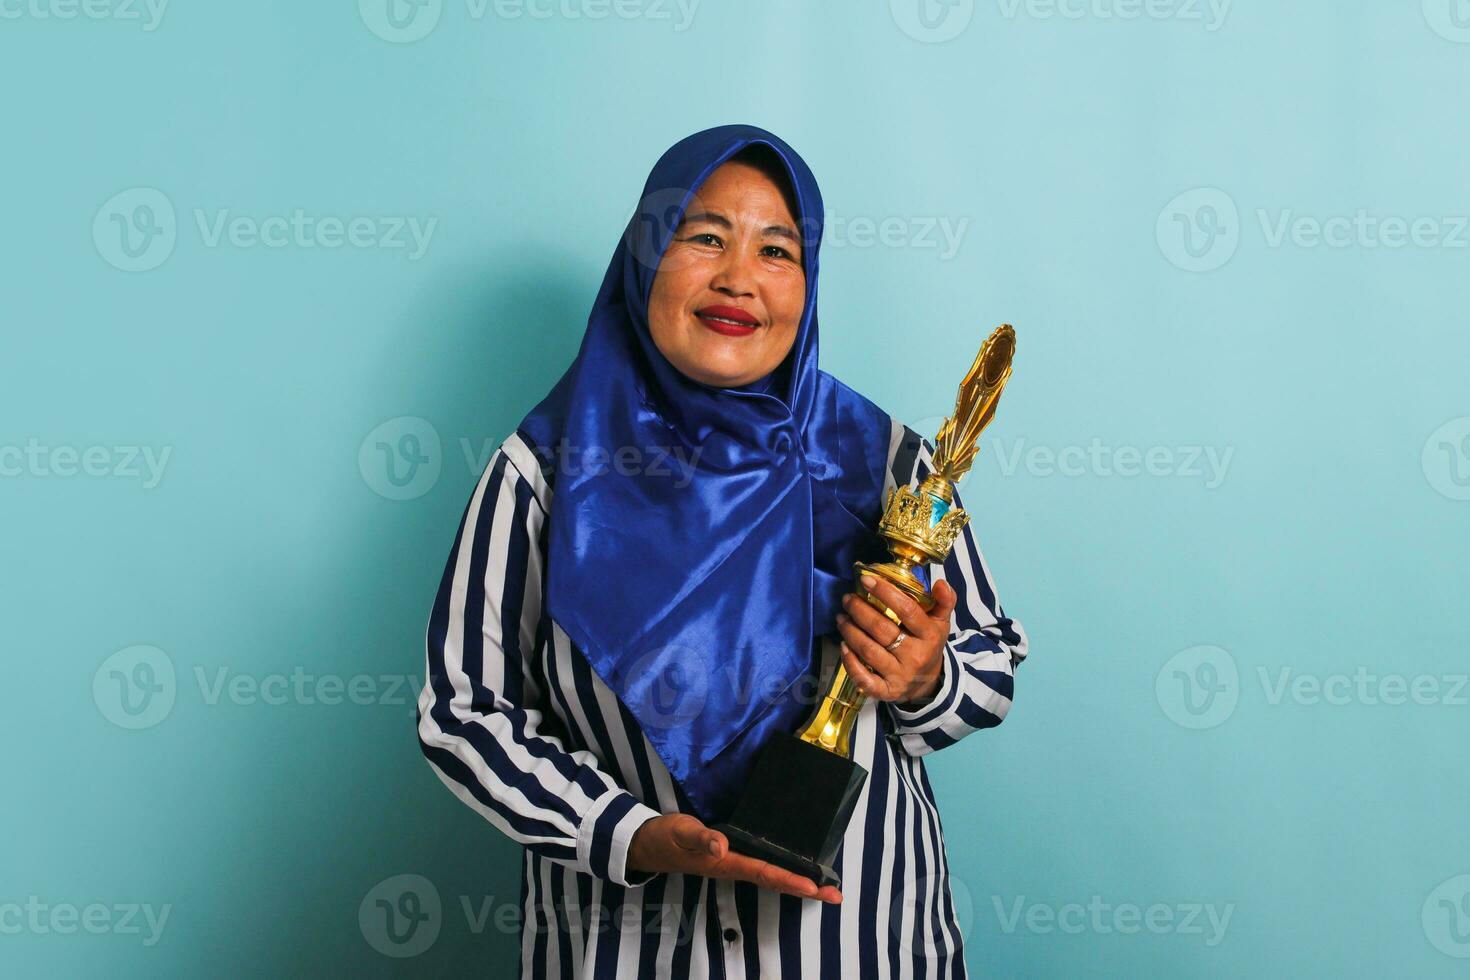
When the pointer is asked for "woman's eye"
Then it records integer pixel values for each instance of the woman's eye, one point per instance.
(704, 238)
(777, 252)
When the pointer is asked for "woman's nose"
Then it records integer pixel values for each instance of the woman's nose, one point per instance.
(735, 275)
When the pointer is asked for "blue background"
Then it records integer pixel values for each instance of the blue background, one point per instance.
(1119, 182)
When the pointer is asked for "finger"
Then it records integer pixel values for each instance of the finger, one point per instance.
(874, 623)
(868, 682)
(690, 834)
(779, 879)
(786, 882)
(767, 876)
(914, 617)
(873, 653)
(945, 598)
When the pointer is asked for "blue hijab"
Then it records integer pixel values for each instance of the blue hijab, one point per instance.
(696, 569)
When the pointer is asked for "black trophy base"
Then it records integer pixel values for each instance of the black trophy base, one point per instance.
(796, 808)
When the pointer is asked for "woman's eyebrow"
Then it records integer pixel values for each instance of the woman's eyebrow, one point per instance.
(781, 231)
(719, 220)
(711, 217)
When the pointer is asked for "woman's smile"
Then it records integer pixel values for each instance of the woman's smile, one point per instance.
(729, 320)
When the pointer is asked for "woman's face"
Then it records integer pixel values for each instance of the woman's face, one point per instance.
(736, 256)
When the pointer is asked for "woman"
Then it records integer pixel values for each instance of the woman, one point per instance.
(652, 578)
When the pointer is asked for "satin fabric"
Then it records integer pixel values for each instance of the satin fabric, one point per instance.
(696, 592)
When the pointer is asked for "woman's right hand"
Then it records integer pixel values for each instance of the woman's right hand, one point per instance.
(681, 842)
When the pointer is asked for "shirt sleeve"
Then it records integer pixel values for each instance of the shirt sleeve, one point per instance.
(480, 721)
(980, 657)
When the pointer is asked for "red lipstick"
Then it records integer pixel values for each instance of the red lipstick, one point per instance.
(729, 320)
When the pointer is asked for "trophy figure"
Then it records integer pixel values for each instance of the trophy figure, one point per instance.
(800, 797)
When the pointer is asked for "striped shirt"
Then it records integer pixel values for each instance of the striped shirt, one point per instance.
(516, 723)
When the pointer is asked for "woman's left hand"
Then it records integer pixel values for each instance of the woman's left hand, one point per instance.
(909, 673)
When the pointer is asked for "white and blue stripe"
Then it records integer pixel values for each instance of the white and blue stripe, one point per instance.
(517, 725)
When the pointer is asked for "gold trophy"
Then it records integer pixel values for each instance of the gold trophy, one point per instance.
(800, 797)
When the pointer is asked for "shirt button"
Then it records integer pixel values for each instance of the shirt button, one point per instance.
(731, 935)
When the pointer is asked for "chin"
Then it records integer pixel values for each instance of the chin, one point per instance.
(722, 379)
(719, 371)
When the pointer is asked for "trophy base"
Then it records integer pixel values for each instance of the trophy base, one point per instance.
(796, 808)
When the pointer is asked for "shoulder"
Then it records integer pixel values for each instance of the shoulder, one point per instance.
(517, 461)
